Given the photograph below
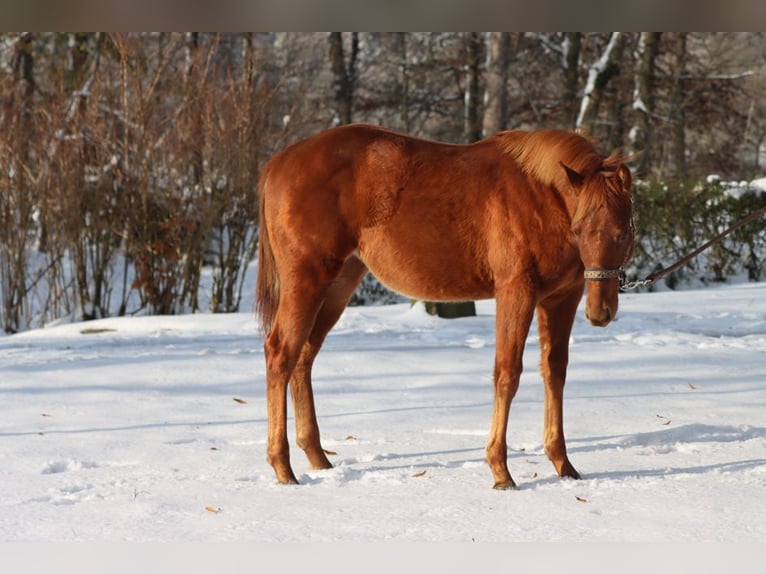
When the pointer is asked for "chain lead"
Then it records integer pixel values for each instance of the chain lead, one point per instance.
(630, 285)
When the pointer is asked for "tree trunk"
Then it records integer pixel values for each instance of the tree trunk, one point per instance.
(570, 61)
(643, 101)
(599, 75)
(451, 310)
(496, 91)
(344, 75)
(197, 135)
(677, 114)
(403, 83)
(472, 125)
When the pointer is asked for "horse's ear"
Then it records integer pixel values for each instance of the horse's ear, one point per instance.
(576, 179)
(623, 174)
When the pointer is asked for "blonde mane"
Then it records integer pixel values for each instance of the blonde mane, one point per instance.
(543, 154)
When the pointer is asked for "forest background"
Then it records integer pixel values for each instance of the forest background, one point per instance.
(129, 162)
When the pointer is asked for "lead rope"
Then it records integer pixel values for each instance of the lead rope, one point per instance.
(628, 285)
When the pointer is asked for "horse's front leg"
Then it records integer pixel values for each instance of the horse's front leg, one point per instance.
(555, 319)
(515, 307)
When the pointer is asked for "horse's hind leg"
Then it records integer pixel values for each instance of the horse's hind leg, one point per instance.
(336, 299)
(302, 294)
(292, 325)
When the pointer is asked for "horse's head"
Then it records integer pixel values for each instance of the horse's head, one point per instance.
(603, 229)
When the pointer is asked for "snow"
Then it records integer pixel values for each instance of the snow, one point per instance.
(128, 430)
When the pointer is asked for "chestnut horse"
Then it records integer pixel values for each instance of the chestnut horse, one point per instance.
(525, 217)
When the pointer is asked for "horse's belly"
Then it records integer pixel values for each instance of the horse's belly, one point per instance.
(433, 274)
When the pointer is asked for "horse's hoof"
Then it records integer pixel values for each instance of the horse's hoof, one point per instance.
(286, 477)
(569, 472)
(288, 481)
(505, 485)
(566, 470)
(318, 460)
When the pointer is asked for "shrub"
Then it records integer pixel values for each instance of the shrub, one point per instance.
(673, 219)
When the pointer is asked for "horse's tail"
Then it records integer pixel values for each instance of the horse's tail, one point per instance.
(267, 284)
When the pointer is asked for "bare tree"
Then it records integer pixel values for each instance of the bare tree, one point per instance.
(404, 79)
(17, 200)
(496, 105)
(642, 135)
(570, 63)
(344, 74)
(677, 108)
(599, 75)
(471, 114)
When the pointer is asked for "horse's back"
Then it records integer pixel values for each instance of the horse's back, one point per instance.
(359, 172)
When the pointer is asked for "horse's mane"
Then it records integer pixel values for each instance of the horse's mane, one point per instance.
(541, 154)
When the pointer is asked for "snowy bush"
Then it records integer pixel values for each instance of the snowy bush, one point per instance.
(674, 219)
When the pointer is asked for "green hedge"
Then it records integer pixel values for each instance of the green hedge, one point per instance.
(673, 219)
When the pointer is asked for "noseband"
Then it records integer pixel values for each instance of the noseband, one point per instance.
(607, 274)
(603, 274)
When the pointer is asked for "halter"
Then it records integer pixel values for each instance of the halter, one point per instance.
(599, 274)
(603, 274)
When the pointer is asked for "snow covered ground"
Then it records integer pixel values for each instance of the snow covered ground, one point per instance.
(154, 428)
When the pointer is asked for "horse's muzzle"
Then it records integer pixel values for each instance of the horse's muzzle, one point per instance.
(602, 320)
(602, 301)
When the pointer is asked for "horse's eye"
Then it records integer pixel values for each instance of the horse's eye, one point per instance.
(624, 237)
